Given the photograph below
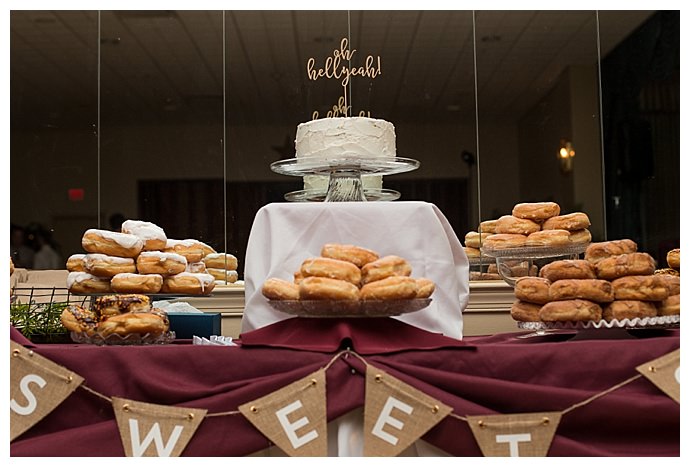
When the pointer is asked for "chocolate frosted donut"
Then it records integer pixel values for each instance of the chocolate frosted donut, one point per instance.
(111, 305)
(536, 211)
(78, 319)
(568, 269)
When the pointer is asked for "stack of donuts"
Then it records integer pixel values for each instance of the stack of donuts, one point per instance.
(531, 225)
(139, 259)
(613, 281)
(116, 314)
(222, 266)
(350, 272)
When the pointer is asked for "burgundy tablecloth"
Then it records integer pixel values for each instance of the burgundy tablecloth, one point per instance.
(484, 375)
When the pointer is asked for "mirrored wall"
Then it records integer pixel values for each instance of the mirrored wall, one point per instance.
(175, 116)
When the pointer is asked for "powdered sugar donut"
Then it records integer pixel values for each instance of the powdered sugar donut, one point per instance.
(161, 262)
(112, 243)
(107, 266)
(193, 250)
(189, 283)
(137, 283)
(85, 283)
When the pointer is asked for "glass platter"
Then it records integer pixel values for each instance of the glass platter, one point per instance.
(536, 252)
(349, 308)
(363, 165)
(653, 322)
(382, 194)
(128, 339)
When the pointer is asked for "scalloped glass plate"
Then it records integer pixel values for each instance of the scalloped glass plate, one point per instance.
(653, 322)
(127, 339)
(372, 194)
(349, 308)
(363, 165)
(535, 252)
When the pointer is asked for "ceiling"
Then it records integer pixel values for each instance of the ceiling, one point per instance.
(160, 66)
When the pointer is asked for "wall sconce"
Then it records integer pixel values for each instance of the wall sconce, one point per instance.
(566, 153)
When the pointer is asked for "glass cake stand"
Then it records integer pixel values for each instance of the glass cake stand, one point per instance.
(345, 175)
(507, 258)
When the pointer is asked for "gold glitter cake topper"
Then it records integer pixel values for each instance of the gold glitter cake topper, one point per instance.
(338, 66)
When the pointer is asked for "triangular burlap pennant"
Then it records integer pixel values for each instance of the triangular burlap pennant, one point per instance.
(396, 414)
(37, 386)
(664, 372)
(294, 417)
(151, 430)
(516, 435)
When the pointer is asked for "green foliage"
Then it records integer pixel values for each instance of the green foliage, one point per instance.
(38, 319)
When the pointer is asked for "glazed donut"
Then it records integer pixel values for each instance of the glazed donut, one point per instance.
(331, 268)
(525, 311)
(516, 225)
(570, 310)
(324, 288)
(501, 241)
(488, 226)
(112, 305)
(670, 306)
(532, 290)
(673, 258)
(133, 323)
(629, 264)
(595, 290)
(472, 252)
(136, 283)
(220, 261)
(553, 237)
(390, 265)
(390, 288)
(601, 250)
(425, 287)
(107, 266)
(198, 267)
(536, 211)
(189, 283)
(78, 319)
(192, 250)
(484, 276)
(572, 221)
(112, 243)
(649, 288)
(568, 269)
(154, 237)
(580, 236)
(160, 262)
(354, 254)
(298, 277)
(672, 282)
(279, 289)
(475, 239)
(85, 283)
(223, 275)
(629, 309)
(75, 263)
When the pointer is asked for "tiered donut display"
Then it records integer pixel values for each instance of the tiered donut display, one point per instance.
(350, 273)
(613, 282)
(127, 316)
(142, 260)
(530, 225)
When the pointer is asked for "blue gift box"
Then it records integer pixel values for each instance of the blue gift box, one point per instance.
(187, 325)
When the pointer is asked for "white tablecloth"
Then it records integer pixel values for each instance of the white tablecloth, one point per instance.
(283, 235)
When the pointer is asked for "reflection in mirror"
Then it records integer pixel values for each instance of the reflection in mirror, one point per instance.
(425, 89)
(53, 143)
(162, 121)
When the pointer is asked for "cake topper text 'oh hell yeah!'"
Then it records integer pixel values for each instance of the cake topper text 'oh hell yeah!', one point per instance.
(338, 67)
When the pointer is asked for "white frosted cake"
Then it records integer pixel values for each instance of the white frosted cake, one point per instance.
(343, 137)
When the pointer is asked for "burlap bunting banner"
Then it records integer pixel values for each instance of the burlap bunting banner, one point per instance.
(516, 435)
(37, 386)
(294, 417)
(664, 372)
(396, 414)
(151, 430)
